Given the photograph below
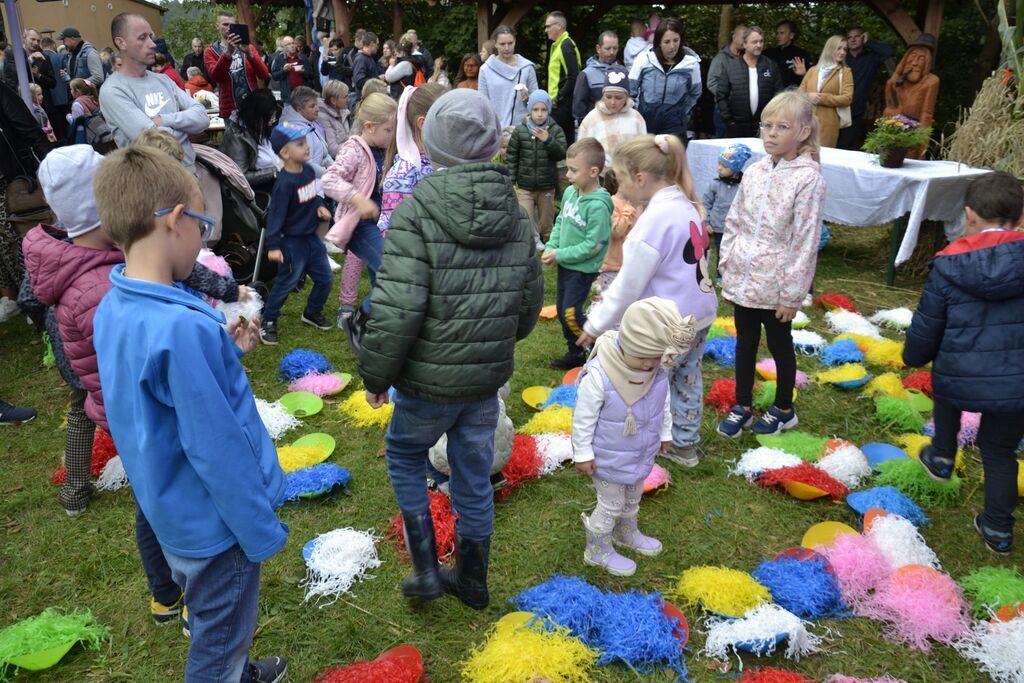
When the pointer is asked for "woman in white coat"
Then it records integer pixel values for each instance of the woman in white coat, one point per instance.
(507, 79)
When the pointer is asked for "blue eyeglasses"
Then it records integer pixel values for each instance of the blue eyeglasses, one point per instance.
(205, 223)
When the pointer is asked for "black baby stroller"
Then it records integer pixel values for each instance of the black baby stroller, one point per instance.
(239, 233)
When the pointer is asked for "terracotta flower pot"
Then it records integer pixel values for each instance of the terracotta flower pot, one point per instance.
(892, 157)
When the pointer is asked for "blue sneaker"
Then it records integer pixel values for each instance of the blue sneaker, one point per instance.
(738, 419)
(775, 421)
(938, 468)
(999, 542)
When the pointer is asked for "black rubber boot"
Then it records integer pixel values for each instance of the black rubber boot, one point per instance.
(468, 580)
(425, 582)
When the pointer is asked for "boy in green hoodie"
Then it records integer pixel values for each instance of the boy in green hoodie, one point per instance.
(578, 242)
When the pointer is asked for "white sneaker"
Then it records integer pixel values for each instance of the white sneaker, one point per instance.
(808, 301)
(335, 266)
(8, 309)
(332, 248)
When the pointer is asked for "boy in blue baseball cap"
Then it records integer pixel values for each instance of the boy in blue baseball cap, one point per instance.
(722, 190)
(292, 219)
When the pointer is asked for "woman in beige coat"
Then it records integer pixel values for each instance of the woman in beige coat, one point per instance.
(829, 85)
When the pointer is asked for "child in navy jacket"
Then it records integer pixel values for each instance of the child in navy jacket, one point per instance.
(292, 240)
(970, 326)
(182, 414)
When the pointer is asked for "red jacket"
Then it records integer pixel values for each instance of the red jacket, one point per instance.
(73, 279)
(170, 72)
(218, 65)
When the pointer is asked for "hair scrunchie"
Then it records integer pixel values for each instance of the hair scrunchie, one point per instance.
(661, 140)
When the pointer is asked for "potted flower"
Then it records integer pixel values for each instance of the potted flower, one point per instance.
(893, 137)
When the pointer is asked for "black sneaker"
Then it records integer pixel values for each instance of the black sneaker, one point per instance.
(317, 320)
(498, 481)
(999, 542)
(938, 468)
(267, 670)
(568, 361)
(268, 332)
(355, 328)
(15, 415)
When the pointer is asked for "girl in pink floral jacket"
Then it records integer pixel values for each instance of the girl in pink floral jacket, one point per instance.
(769, 252)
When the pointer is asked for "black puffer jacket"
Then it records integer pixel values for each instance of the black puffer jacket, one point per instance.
(970, 324)
(531, 163)
(459, 284)
(733, 95)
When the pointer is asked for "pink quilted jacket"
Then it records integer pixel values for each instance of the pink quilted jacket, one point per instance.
(74, 280)
(770, 245)
(353, 171)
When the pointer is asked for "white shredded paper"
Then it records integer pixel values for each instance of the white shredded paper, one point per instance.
(757, 460)
(760, 627)
(807, 341)
(275, 418)
(554, 449)
(847, 465)
(848, 322)
(896, 318)
(998, 648)
(251, 308)
(901, 543)
(339, 558)
(113, 476)
(800, 319)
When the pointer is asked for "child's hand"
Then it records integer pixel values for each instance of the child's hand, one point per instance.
(586, 468)
(784, 314)
(323, 214)
(275, 255)
(246, 335)
(540, 133)
(665, 445)
(244, 293)
(367, 208)
(376, 400)
(584, 340)
(548, 258)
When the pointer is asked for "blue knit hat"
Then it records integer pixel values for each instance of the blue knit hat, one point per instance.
(735, 156)
(536, 96)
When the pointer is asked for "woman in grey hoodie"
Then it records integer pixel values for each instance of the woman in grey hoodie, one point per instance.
(507, 79)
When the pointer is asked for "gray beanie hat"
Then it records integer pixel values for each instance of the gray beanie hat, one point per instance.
(461, 128)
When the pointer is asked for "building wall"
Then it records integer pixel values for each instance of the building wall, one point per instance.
(91, 17)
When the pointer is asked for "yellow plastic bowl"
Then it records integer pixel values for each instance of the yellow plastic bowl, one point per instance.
(534, 396)
(823, 533)
(802, 491)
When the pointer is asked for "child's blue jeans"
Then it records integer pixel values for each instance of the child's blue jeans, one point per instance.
(687, 389)
(222, 594)
(416, 425)
(367, 243)
(158, 574)
(301, 255)
(572, 290)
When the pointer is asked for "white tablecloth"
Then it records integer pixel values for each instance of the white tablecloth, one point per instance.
(860, 192)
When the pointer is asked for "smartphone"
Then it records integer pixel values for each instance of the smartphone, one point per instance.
(240, 30)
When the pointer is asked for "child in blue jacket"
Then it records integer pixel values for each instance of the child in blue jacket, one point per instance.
(182, 413)
(970, 326)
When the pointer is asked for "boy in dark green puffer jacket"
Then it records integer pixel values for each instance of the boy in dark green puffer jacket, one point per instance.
(459, 284)
(536, 147)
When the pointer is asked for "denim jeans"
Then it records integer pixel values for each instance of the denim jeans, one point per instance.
(158, 573)
(416, 425)
(367, 243)
(572, 290)
(687, 394)
(301, 255)
(998, 436)
(222, 594)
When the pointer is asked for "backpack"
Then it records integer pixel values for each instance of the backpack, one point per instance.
(92, 130)
(418, 78)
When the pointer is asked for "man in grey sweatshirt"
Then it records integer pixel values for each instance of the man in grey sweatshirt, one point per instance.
(134, 98)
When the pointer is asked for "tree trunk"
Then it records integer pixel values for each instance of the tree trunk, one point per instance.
(244, 8)
(396, 20)
(342, 21)
(725, 16)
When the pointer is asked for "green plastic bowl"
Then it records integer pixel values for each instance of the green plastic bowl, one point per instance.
(920, 402)
(44, 659)
(317, 439)
(302, 403)
(346, 379)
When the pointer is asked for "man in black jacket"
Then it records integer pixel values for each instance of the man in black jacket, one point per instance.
(291, 69)
(747, 86)
(195, 58)
(364, 67)
(794, 61)
(40, 70)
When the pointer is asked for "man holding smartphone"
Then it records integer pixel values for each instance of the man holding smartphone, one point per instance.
(233, 63)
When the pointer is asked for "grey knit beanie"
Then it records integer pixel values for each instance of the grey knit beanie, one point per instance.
(461, 128)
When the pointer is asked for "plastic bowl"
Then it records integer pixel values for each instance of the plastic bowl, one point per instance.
(762, 647)
(682, 629)
(346, 379)
(919, 401)
(878, 452)
(851, 384)
(43, 659)
(549, 312)
(534, 396)
(318, 439)
(301, 403)
(823, 533)
(802, 491)
(570, 377)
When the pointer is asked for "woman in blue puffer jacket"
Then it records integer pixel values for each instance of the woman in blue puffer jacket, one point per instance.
(665, 81)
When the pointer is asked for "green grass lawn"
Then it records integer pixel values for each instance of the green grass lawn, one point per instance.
(47, 559)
